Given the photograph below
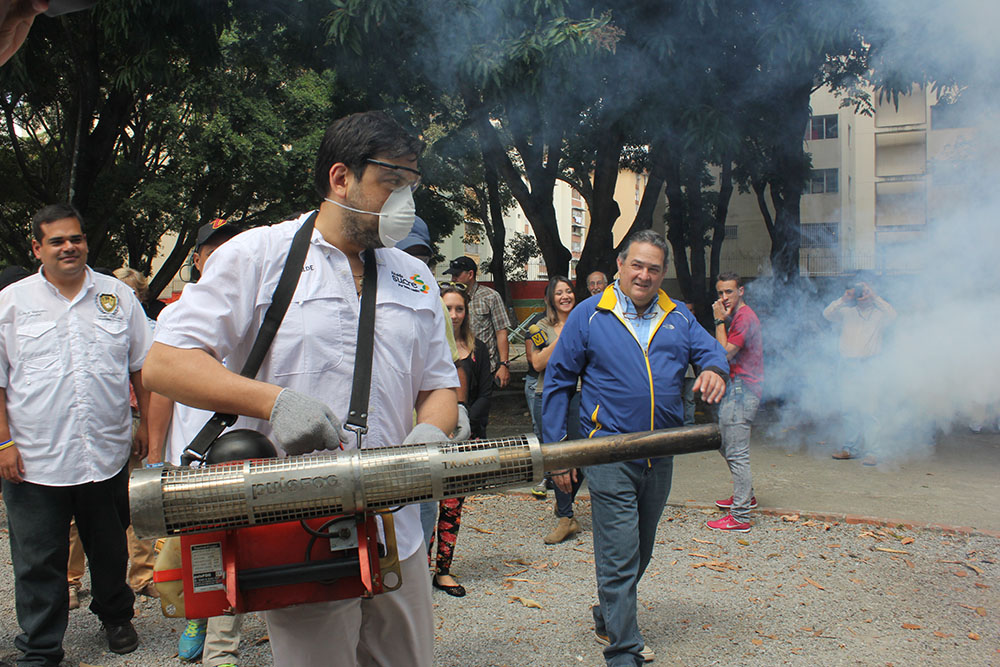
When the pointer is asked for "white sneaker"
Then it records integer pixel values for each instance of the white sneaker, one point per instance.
(647, 653)
(74, 598)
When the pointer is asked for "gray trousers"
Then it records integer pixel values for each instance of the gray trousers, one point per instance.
(736, 415)
(222, 640)
(389, 630)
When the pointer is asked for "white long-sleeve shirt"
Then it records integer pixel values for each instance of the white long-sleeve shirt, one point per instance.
(861, 329)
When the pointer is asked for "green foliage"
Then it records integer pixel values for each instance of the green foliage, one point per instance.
(520, 250)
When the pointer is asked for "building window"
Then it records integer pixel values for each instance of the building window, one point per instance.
(824, 180)
(822, 127)
(732, 232)
(820, 234)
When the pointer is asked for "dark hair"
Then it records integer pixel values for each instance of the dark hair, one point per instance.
(645, 236)
(726, 276)
(51, 213)
(359, 137)
(550, 294)
(464, 329)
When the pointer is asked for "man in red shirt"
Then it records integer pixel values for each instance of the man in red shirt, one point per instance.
(738, 330)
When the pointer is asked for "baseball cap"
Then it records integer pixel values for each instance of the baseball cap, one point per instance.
(418, 236)
(219, 227)
(460, 264)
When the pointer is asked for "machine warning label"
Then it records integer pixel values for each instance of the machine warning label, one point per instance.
(206, 567)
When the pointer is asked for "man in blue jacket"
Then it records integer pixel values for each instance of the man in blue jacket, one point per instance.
(631, 346)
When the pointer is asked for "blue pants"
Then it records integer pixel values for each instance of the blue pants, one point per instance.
(38, 518)
(626, 504)
(564, 501)
(736, 414)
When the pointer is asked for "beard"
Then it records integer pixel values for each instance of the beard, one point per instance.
(360, 231)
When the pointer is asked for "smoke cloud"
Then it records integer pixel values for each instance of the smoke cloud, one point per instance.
(938, 370)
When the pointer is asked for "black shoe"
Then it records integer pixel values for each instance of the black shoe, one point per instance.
(121, 638)
(455, 591)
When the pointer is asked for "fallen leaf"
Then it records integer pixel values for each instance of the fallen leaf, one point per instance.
(790, 517)
(810, 581)
(516, 562)
(527, 602)
(482, 530)
(973, 636)
(979, 585)
(695, 553)
(756, 642)
(891, 551)
(525, 581)
(942, 635)
(960, 573)
(973, 568)
(907, 540)
(743, 542)
(702, 541)
(912, 626)
(263, 640)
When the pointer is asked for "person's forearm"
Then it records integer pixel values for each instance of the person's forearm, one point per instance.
(141, 395)
(540, 359)
(161, 410)
(438, 407)
(4, 425)
(503, 345)
(196, 378)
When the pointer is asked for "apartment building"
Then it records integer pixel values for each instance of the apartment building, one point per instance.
(878, 181)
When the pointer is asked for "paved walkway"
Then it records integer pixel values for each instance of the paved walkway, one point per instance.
(956, 485)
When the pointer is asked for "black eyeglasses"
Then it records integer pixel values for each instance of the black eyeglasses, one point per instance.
(455, 285)
(414, 181)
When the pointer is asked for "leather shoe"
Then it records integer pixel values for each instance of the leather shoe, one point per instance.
(121, 638)
(455, 591)
(566, 528)
(149, 590)
(844, 454)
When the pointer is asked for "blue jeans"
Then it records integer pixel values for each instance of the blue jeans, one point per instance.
(564, 501)
(859, 405)
(530, 382)
(736, 414)
(38, 518)
(626, 503)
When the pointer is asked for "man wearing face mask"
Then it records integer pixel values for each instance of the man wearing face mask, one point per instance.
(366, 170)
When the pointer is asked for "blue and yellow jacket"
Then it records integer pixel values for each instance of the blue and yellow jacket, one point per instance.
(625, 387)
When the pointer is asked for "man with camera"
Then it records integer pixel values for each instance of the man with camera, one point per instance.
(863, 317)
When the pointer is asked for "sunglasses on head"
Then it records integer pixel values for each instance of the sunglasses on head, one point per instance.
(451, 283)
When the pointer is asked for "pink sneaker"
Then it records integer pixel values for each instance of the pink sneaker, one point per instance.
(729, 523)
(728, 503)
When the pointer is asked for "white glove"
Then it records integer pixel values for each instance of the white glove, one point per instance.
(303, 424)
(464, 429)
(423, 433)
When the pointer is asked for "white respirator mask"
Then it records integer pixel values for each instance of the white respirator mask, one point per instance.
(395, 220)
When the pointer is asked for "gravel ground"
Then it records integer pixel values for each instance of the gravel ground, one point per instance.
(792, 591)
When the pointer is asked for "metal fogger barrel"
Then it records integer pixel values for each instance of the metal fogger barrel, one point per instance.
(177, 501)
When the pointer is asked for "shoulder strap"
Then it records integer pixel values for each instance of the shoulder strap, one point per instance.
(272, 320)
(357, 415)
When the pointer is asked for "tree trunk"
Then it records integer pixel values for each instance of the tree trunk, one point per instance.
(498, 239)
(677, 232)
(721, 213)
(787, 186)
(598, 251)
(696, 242)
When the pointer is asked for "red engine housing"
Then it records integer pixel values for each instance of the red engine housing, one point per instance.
(265, 567)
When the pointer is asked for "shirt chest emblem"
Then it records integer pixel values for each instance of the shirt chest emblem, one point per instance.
(107, 302)
(414, 283)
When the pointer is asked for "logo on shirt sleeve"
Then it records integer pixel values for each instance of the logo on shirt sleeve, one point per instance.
(414, 283)
(107, 302)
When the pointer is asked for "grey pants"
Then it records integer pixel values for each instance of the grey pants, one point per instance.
(222, 640)
(736, 414)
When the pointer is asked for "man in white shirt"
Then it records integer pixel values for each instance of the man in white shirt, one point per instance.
(365, 173)
(70, 342)
(863, 317)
